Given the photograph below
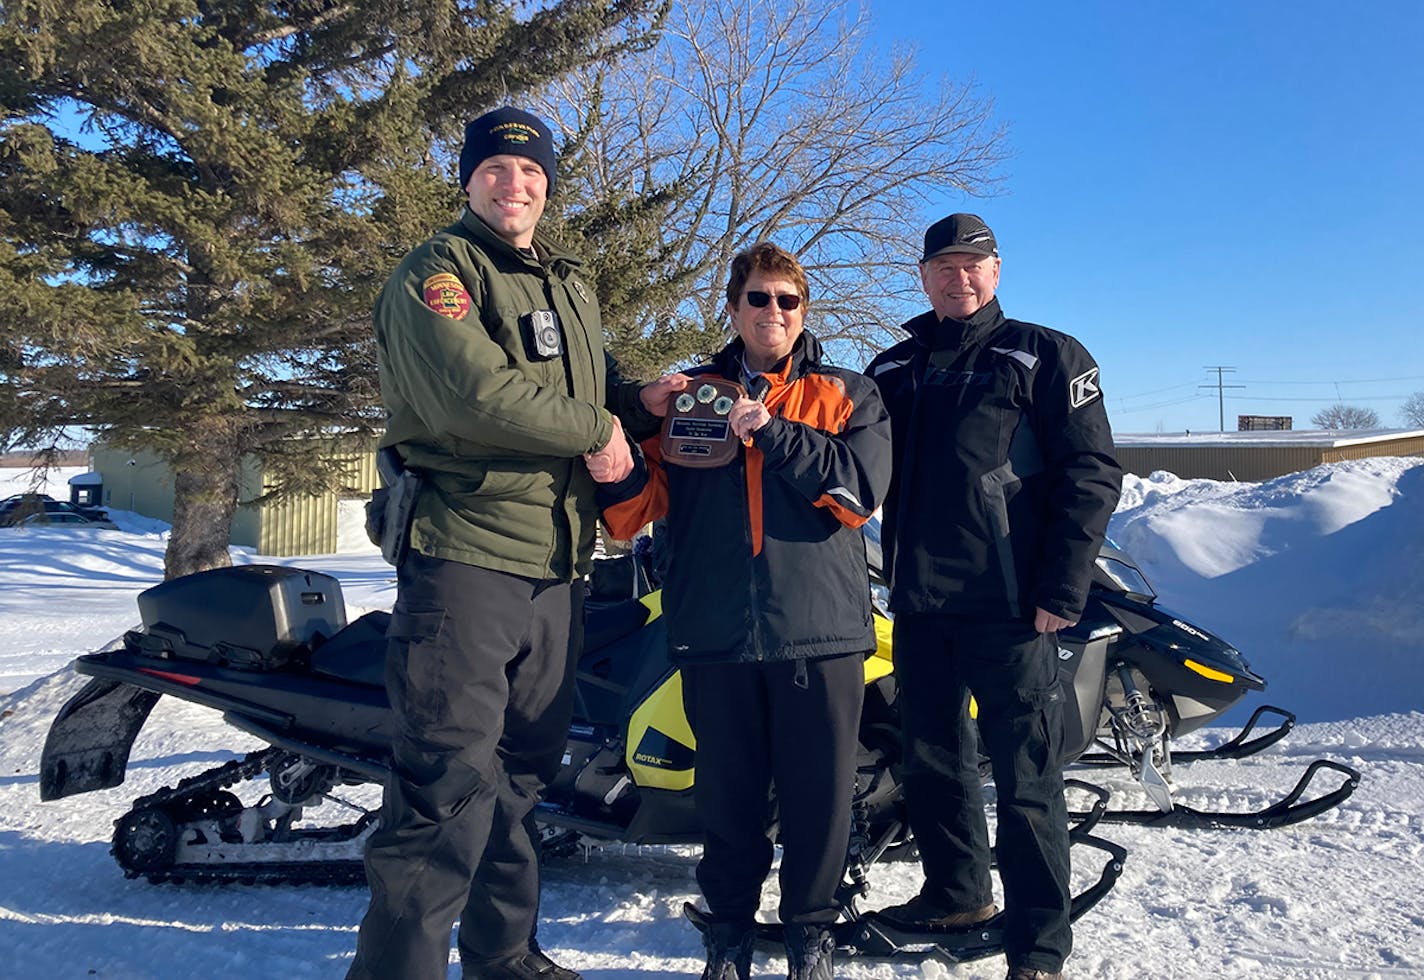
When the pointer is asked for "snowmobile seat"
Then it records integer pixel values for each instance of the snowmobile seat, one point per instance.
(620, 577)
(605, 622)
(612, 579)
(357, 653)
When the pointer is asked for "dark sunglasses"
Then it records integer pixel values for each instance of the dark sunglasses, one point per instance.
(784, 301)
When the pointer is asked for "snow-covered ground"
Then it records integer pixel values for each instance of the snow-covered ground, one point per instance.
(1316, 577)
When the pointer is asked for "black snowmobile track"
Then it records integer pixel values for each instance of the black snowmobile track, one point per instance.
(870, 935)
(139, 848)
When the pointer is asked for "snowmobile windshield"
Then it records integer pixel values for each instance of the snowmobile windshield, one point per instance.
(874, 556)
(880, 598)
(1125, 577)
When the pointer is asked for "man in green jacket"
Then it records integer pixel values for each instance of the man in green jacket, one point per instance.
(495, 382)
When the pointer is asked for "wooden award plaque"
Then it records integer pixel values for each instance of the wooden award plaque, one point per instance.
(696, 432)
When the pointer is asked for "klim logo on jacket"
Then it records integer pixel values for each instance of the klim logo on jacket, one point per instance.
(1083, 388)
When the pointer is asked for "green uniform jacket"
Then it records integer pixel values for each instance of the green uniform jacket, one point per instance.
(498, 432)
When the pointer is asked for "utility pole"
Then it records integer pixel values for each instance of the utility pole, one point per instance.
(1220, 394)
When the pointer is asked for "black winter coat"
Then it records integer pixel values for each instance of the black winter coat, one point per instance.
(1004, 475)
(766, 558)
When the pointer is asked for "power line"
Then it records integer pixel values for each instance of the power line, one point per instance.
(1121, 403)
(1155, 391)
(1123, 410)
(1254, 381)
(1343, 381)
(1332, 399)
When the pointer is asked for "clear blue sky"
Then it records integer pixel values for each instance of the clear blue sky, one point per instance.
(1209, 183)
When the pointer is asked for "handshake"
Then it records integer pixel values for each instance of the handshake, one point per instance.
(615, 460)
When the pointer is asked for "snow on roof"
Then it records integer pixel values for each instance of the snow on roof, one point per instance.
(1322, 438)
(86, 479)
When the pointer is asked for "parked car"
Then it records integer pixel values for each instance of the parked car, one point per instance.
(62, 518)
(14, 509)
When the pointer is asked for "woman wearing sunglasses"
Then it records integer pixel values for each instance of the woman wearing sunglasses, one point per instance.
(768, 609)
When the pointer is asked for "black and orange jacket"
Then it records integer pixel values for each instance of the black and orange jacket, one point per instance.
(766, 560)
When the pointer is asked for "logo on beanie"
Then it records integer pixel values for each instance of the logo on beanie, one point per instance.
(514, 132)
(445, 294)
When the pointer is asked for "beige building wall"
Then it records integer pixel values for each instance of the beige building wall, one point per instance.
(136, 481)
(143, 483)
(299, 526)
(1411, 445)
(1240, 460)
(1218, 463)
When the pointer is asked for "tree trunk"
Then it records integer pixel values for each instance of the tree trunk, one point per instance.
(205, 488)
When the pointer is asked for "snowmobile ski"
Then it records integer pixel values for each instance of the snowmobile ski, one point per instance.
(869, 935)
(1238, 747)
(1284, 812)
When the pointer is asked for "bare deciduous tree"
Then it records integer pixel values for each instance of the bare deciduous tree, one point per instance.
(757, 120)
(1411, 413)
(1339, 416)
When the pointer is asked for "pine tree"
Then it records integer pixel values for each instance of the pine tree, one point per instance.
(200, 200)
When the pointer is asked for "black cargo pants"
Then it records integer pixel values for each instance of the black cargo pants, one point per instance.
(479, 673)
(1012, 671)
(794, 724)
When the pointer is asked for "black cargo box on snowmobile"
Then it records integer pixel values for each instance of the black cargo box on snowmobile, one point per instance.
(252, 617)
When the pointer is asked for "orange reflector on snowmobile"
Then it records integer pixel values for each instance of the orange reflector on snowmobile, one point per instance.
(1208, 673)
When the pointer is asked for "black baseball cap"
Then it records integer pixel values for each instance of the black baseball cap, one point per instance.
(959, 233)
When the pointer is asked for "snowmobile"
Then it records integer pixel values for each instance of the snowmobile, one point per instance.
(1139, 677)
(270, 648)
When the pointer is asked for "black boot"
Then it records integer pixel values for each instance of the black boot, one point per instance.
(808, 952)
(533, 965)
(921, 914)
(1029, 973)
(729, 950)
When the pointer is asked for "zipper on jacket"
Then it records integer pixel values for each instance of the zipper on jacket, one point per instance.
(754, 603)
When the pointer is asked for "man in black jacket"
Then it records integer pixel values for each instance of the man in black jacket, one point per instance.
(1003, 485)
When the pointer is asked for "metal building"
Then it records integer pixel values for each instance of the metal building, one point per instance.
(306, 525)
(1256, 456)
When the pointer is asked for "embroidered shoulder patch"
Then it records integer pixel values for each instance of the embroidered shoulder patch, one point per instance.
(1083, 388)
(445, 294)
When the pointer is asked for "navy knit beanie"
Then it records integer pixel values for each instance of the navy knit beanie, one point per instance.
(507, 130)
